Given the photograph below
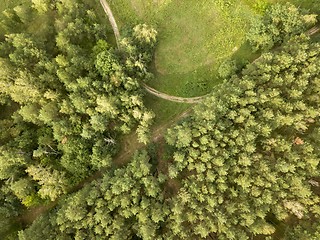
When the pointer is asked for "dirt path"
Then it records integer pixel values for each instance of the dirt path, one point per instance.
(28, 216)
(313, 31)
(172, 98)
(150, 90)
(112, 20)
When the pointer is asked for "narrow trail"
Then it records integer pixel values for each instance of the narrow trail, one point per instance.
(313, 30)
(150, 90)
(172, 98)
(120, 159)
(112, 20)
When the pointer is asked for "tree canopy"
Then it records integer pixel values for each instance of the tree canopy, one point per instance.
(245, 161)
(278, 24)
(124, 204)
(250, 149)
(73, 95)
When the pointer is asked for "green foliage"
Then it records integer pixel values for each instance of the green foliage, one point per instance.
(8, 210)
(248, 152)
(227, 68)
(308, 229)
(22, 188)
(42, 228)
(122, 205)
(53, 183)
(73, 92)
(42, 6)
(279, 23)
(250, 149)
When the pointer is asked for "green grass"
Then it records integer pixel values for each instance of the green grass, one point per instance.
(194, 38)
(164, 109)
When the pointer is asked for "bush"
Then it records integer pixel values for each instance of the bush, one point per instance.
(279, 23)
(227, 68)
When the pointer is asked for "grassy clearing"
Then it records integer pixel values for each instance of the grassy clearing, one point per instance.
(199, 34)
(194, 38)
(164, 109)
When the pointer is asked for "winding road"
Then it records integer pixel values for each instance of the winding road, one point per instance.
(149, 89)
(172, 98)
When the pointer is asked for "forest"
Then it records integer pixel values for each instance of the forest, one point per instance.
(156, 132)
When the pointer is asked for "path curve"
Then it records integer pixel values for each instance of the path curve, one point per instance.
(112, 20)
(313, 30)
(150, 90)
(172, 98)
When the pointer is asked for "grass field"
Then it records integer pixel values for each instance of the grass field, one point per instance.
(194, 38)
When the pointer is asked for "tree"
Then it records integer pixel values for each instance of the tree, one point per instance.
(227, 68)
(52, 182)
(250, 149)
(307, 229)
(75, 86)
(124, 204)
(279, 23)
(42, 227)
(74, 95)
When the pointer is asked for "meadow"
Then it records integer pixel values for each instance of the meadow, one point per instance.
(194, 38)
